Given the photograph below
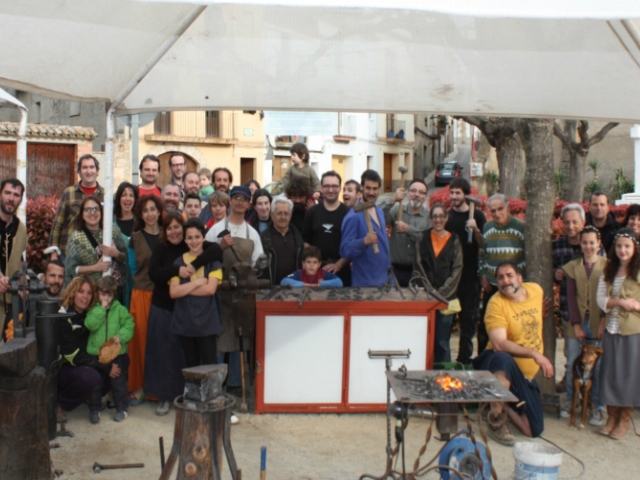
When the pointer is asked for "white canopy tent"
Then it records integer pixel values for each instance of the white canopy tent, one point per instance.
(570, 59)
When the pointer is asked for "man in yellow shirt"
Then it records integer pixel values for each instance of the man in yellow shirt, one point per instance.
(515, 353)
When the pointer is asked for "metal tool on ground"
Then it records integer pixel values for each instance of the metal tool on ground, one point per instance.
(97, 467)
(224, 233)
(263, 463)
(403, 170)
(161, 444)
(472, 201)
(364, 208)
(243, 406)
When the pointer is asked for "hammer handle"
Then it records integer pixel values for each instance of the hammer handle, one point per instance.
(402, 201)
(121, 466)
(471, 213)
(367, 219)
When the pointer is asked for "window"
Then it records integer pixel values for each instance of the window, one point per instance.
(212, 123)
(162, 124)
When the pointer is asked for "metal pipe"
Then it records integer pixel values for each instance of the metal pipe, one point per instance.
(111, 115)
(21, 163)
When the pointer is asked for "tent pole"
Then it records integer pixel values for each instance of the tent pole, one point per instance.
(107, 228)
(21, 162)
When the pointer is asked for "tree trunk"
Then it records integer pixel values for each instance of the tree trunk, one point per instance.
(537, 140)
(510, 165)
(566, 155)
(578, 177)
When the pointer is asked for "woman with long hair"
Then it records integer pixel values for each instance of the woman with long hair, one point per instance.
(440, 256)
(86, 246)
(164, 357)
(619, 297)
(146, 232)
(123, 213)
(80, 376)
(261, 211)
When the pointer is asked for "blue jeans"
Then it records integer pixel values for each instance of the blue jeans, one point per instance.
(442, 345)
(572, 347)
(234, 378)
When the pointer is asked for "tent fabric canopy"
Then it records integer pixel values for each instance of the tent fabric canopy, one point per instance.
(545, 59)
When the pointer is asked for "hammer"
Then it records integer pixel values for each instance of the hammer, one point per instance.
(363, 207)
(224, 233)
(97, 468)
(472, 201)
(402, 170)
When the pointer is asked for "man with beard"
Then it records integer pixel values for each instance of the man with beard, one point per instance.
(299, 192)
(54, 279)
(171, 197)
(515, 353)
(369, 269)
(322, 227)
(469, 287)
(13, 237)
(222, 181)
(415, 219)
(190, 183)
(351, 193)
(600, 217)
(177, 165)
(149, 170)
(71, 200)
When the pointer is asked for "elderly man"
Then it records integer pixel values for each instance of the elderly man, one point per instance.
(171, 197)
(515, 353)
(469, 287)
(351, 193)
(322, 227)
(503, 239)
(71, 200)
(415, 219)
(369, 269)
(600, 217)
(282, 241)
(190, 183)
(149, 170)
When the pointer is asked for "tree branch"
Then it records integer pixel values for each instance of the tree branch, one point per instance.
(564, 138)
(598, 137)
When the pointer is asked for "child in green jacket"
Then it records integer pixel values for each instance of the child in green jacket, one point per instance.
(110, 319)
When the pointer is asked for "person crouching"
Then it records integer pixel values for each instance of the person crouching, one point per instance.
(311, 275)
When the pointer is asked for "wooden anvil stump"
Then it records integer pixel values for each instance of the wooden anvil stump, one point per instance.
(202, 427)
(24, 443)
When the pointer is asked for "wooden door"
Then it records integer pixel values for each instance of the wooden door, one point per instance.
(50, 167)
(247, 170)
(388, 171)
(280, 166)
(165, 172)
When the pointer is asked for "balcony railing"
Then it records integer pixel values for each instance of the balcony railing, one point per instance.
(395, 126)
(199, 124)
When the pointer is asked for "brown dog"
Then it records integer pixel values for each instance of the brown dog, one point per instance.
(583, 368)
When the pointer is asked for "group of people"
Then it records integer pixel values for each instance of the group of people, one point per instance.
(172, 246)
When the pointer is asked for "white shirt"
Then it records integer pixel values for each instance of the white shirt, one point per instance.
(238, 231)
(602, 298)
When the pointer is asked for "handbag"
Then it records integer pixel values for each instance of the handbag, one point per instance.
(109, 350)
(453, 307)
(116, 267)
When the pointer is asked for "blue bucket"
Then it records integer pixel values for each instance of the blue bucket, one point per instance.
(536, 461)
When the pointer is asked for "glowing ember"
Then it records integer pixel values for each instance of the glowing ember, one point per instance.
(448, 383)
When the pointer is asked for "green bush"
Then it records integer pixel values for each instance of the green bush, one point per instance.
(41, 212)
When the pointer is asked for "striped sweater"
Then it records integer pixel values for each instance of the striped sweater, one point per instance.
(500, 244)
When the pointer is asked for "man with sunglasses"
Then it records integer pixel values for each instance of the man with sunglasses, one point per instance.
(415, 219)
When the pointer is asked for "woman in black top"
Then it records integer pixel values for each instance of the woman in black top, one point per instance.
(164, 357)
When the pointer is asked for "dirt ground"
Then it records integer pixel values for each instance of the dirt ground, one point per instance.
(318, 447)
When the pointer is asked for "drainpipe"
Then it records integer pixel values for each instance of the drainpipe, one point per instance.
(107, 232)
(21, 162)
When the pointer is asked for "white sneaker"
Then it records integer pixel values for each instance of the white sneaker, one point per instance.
(234, 419)
(163, 408)
(597, 418)
(564, 412)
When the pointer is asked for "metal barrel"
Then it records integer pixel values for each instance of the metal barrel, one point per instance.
(47, 342)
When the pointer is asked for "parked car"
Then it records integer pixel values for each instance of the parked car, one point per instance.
(447, 171)
(274, 188)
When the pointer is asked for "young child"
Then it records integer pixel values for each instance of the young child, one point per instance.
(311, 275)
(205, 182)
(192, 205)
(110, 319)
(301, 168)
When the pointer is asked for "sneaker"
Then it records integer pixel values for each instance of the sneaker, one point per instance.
(163, 408)
(120, 416)
(565, 412)
(597, 418)
(234, 419)
(94, 418)
(499, 431)
(137, 398)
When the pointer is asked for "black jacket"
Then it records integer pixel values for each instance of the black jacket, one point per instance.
(608, 232)
(267, 245)
(444, 271)
(72, 341)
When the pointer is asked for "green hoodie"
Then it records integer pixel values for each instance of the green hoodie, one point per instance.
(120, 325)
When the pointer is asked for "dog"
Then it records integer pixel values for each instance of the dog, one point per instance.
(582, 369)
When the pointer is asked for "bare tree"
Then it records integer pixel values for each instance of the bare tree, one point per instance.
(577, 151)
(503, 136)
(536, 135)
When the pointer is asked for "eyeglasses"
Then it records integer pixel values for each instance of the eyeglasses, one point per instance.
(91, 209)
(421, 192)
(240, 198)
(331, 187)
(177, 164)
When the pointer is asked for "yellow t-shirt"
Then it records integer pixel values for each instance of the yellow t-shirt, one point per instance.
(188, 258)
(522, 321)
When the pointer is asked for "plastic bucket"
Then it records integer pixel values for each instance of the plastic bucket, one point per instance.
(536, 461)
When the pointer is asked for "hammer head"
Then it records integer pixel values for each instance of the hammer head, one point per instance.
(474, 200)
(226, 232)
(403, 169)
(363, 206)
(96, 468)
